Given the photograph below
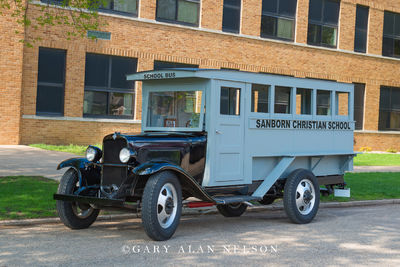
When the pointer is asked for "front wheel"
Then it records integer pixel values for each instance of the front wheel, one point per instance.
(301, 196)
(72, 214)
(161, 205)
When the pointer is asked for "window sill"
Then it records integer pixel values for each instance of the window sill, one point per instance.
(59, 118)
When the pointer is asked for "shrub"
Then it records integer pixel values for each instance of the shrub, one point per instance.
(365, 149)
(391, 150)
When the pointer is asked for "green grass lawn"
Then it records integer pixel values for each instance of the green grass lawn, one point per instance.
(75, 149)
(371, 159)
(23, 197)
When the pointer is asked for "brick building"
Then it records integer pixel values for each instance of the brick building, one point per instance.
(64, 91)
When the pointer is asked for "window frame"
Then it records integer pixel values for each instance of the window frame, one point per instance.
(176, 21)
(279, 16)
(390, 36)
(321, 24)
(109, 90)
(225, 29)
(51, 84)
(390, 110)
(356, 29)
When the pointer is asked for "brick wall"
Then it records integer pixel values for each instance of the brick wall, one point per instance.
(149, 40)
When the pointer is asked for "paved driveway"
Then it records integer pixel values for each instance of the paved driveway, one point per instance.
(348, 237)
(25, 160)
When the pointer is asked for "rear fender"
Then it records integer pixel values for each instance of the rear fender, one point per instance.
(187, 181)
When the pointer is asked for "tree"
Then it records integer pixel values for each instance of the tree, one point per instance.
(78, 16)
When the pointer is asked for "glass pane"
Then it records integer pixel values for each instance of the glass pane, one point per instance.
(285, 28)
(188, 11)
(328, 36)
(395, 121)
(106, 4)
(231, 19)
(121, 66)
(342, 103)
(287, 7)
(230, 101)
(359, 105)
(129, 6)
(384, 102)
(388, 47)
(360, 41)
(50, 99)
(159, 65)
(395, 99)
(314, 34)
(174, 109)
(166, 9)
(323, 102)
(315, 10)
(121, 104)
(362, 17)
(388, 25)
(331, 12)
(232, 2)
(397, 24)
(95, 103)
(282, 99)
(396, 48)
(96, 70)
(268, 26)
(51, 65)
(303, 101)
(259, 98)
(384, 120)
(270, 6)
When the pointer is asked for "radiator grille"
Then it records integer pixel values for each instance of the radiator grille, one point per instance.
(113, 174)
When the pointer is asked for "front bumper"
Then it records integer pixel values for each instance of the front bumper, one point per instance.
(90, 200)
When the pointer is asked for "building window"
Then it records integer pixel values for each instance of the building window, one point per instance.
(361, 32)
(230, 101)
(259, 98)
(107, 92)
(282, 99)
(323, 102)
(277, 20)
(231, 16)
(50, 83)
(159, 65)
(359, 90)
(303, 101)
(323, 22)
(119, 6)
(391, 35)
(179, 11)
(389, 109)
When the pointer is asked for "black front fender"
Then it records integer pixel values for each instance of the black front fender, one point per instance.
(88, 173)
(187, 181)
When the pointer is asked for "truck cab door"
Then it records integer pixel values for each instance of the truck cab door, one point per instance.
(228, 133)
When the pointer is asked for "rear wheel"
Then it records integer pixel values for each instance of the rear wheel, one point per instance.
(72, 214)
(232, 210)
(301, 196)
(161, 205)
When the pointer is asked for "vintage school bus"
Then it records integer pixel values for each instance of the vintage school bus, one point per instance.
(226, 138)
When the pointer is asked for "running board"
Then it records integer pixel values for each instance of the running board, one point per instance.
(234, 199)
(273, 176)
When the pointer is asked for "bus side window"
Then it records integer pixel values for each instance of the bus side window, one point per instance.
(282, 99)
(259, 98)
(303, 101)
(230, 101)
(342, 103)
(323, 102)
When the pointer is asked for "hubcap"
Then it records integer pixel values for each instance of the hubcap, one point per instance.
(167, 205)
(305, 197)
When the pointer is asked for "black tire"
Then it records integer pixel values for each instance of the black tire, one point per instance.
(68, 211)
(232, 210)
(297, 214)
(267, 200)
(152, 210)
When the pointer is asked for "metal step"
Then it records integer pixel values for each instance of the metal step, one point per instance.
(234, 199)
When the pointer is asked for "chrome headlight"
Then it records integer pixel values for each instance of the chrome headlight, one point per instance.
(93, 153)
(125, 155)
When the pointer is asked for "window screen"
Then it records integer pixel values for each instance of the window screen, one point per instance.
(259, 98)
(361, 31)
(230, 101)
(282, 99)
(323, 102)
(231, 16)
(278, 19)
(107, 92)
(359, 90)
(179, 11)
(391, 35)
(120, 6)
(323, 22)
(389, 109)
(50, 84)
(303, 101)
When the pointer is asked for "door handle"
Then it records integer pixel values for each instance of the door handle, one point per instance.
(218, 132)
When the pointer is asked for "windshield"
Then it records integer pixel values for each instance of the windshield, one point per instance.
(174, 109)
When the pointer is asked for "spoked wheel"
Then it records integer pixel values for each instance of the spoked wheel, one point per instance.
(301, 196)
(232, 210)
(162, 205)
(72, 214)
